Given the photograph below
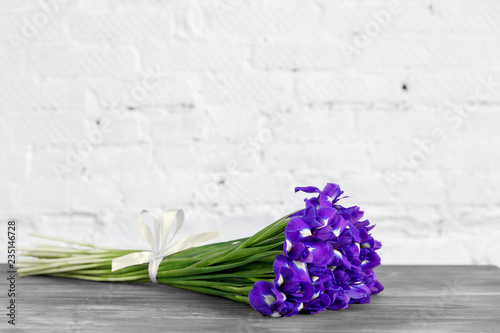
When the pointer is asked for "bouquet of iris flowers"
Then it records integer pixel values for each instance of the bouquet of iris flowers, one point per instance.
(317, 258)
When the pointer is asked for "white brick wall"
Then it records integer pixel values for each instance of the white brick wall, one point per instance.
(222, 107)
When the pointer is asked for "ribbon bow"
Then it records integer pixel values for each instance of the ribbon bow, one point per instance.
(161, 244)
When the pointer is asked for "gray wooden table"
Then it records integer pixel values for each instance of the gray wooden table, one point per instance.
(416, 298)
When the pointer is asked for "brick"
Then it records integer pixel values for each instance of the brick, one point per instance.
(152, 88)
(317, 124)
(275, 123)
(62, 94)
(238, 223)
(423, 187)
(298, 56)
(244, 189)
(44, 161)
(9, 25)
(172, 90)
(53, 94)
(385, 125)
(173, 191)
(138, 25)
(198, 158)
(467, 16)
(44, 196)
(366, 188)
(263, 19)
(178, 128)
(245, 88)
(428, 251)
(448, 87)
(19, 95)
(408, 221)
(54, 33)
(347, 17)
(105, 92)
(421, 53)
(16, 60)
(7, 195)
(45, 128)
(122, 127)
(426, 155)
(20, 6)
(93, 195)
(324, 156)
(460, 218)
(473, 157)
(385, 156)
(415, 17)
(192, 22)
(117, 162)
(35, 26)
(79, 227)
(13, 163)
(230, 124)
(474, 189)
(478, 125)
(184, 56)
(117, 61)
(120, 228)
(486, 48)
(96, 6)
(315, 88)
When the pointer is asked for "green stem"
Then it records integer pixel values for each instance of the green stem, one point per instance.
(210, 291)
(228, 269)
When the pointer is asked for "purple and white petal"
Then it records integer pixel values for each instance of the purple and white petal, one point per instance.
(261, 297)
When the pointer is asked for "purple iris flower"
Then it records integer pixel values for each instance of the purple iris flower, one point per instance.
(301, 245)
(351, 232)
(370, 259)
(317, 305)
(320, 274)
(325, 222)
(291, 289)
(327, 197)
(328, 262)
(262, 297)
(299, 269)
(340, 259)
(359, 293)
(341, 300)
(366, 240)
(351, 252)
(375, 286)
(341, 242)
(353, 214)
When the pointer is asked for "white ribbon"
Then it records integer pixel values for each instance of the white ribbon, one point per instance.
(161, 244)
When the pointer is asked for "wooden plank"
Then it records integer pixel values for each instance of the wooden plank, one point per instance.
(416, 298)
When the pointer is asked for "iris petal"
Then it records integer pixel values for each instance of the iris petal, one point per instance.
(298, 269)
(322, 252)
(307, 189)
(261, 297)
(297, 229)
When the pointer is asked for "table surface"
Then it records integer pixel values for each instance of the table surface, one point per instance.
(416, 298)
